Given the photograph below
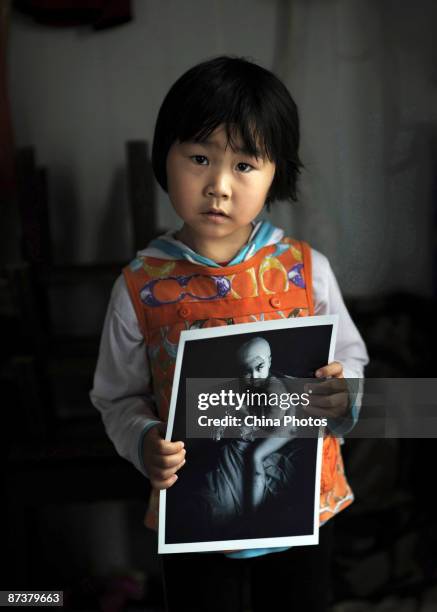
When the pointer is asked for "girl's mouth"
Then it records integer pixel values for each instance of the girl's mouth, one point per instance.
(219, 213)
(216, 216)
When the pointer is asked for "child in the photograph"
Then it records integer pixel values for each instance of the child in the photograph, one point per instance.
(254, 359)
(253, 364)
(252, 474)
(225, 147)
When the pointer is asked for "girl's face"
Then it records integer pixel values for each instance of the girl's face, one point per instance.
(217, 191)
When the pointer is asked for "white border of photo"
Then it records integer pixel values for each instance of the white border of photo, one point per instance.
(240, 328)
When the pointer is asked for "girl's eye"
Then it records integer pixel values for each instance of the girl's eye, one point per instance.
(200, 160)
(244, 167)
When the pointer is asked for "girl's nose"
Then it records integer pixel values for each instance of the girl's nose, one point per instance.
(219, 186)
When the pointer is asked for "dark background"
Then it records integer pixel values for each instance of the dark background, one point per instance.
(77, 85)
(313, 343)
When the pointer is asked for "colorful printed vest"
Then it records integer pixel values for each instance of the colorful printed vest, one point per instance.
(171, 296)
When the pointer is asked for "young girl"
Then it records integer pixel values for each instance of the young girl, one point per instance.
(225, 146)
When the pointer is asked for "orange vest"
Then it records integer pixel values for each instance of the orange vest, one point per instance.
(171, 296)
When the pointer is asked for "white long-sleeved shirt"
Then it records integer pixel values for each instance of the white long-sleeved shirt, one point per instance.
(122, 381)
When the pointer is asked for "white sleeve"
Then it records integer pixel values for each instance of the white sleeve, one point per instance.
(121, 390)
(350, 349)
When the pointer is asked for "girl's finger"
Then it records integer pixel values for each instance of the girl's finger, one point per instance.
(163, 484)
(165, 462)
(167, 474)
(327, 387)
(332, 369)
(165, 447)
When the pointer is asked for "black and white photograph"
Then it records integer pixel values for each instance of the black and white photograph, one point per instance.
(252, 480)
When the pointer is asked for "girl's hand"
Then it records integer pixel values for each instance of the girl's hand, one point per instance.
(329, 398)
(162, 459)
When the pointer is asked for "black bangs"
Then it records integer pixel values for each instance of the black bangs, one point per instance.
(253, 105)
(240, 137)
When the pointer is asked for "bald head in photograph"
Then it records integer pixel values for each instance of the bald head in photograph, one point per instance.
(254, 358)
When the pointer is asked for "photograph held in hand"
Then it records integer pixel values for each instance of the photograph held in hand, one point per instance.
(252, 478)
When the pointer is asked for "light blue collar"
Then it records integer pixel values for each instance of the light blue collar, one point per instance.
(263, 234)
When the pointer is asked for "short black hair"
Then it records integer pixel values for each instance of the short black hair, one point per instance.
(249, 101)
